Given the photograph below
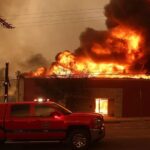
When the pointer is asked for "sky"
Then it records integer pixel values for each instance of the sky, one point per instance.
(42, 29)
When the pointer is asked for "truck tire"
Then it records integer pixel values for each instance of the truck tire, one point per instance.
(2, 142)
(78, 139)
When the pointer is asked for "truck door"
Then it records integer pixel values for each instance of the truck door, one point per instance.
(34, 122)
(48, 122)
(18, 122)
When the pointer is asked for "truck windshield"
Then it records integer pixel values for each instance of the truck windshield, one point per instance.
(62, 109)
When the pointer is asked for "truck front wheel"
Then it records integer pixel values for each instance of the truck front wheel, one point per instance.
(79, 139)
(2, 142)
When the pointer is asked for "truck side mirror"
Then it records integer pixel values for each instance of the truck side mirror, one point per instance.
(55, 113)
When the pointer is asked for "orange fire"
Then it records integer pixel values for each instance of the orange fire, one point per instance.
(122, 41)
(101, 106)
(133, 42)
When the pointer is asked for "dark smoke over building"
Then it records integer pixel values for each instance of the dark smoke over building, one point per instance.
(133, 14)
(122, 49)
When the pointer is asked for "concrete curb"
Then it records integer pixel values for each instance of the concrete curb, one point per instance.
(119, 120)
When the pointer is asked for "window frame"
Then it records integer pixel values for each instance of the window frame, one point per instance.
(42, 104)
(20, 116)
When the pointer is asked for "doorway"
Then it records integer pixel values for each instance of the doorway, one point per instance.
(101, 106)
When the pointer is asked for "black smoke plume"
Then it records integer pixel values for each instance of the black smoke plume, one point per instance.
(129, 13)
(35, 61)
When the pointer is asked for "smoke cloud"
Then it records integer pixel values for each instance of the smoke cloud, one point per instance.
(16, 45)
(34, 61)
(43, 27)
(129, 13)
(133, 13)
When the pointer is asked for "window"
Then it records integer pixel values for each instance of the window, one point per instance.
(43, 110)
(101, 106)
(20, 110)
(62, 109)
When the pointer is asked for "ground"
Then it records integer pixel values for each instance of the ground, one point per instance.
(120, 135)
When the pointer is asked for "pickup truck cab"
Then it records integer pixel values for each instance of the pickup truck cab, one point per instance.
(48, 121)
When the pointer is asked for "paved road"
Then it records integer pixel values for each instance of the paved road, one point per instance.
(120, 136)
(126, 136)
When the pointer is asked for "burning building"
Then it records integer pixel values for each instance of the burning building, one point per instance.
(108, 73)
(114, 97)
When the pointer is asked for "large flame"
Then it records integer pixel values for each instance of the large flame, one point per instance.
(122, 42)
(121, 51)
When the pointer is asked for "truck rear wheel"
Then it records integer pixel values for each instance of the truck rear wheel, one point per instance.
(79, 139)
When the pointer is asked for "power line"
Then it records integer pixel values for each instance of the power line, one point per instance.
(57, 19)
(54, 18)
(56, 12)
(47, 24)
(106, 1)
(30, 20)
(64, 16)
(58, 16)
(52, 23)
(61, 19)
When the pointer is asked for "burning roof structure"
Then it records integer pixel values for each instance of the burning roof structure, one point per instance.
(121, 51)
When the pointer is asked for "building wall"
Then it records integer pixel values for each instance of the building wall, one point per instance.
(128, 97)
(80, 104)
(131, 102)
(113, 94)
(84, 100)
(20, 90)
(145, 101)
(136, 102)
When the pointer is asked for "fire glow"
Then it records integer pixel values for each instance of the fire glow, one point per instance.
(128, 43)
(122, 51)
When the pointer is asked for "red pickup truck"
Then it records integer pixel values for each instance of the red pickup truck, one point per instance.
(48, 121)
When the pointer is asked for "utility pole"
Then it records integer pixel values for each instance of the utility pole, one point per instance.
(6, 83)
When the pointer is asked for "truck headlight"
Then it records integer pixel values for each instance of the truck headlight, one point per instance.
(97, 123)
